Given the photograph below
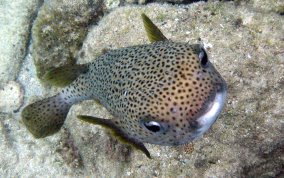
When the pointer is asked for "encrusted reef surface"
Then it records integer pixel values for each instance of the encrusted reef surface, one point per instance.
(244, 39)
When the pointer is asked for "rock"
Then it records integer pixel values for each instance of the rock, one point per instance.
(110, 4)
(276, 6)
(159, 1)
(246, 46)
(15, 21)
(59, 30)
(11, 97)
(247, 139)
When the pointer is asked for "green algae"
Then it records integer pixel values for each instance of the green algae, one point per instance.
(161, 17)
(58, 33)
(280, 10)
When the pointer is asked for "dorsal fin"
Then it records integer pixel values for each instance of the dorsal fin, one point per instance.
(116, 132)
(64, 75)
(153, 32)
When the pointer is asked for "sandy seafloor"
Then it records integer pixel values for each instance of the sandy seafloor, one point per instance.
(245, 42)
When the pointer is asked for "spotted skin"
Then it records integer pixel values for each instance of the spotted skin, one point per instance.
(165, 82)
(45, 117)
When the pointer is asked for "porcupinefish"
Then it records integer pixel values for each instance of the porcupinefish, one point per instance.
(165, 93)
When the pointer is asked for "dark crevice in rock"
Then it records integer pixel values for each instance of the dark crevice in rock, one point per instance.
(27, 48)
(32, 18)
(280, 10)
(7, 133)
(98, 13)
(5, 130)
(173, 2)
(68, 150)
(271, 166)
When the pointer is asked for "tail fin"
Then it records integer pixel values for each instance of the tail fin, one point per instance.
(45, 117)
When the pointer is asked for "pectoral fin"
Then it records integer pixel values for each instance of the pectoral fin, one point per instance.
(153, 32)
(64, 75)
(116, 132)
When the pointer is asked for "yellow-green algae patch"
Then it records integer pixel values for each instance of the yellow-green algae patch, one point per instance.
(59, 30)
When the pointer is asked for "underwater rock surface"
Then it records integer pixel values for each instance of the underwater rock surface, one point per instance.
(59, 29)
(11, 97)
(16, 18)
(245, 43)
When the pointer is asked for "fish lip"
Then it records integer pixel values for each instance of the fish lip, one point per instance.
(213, 111)
(209, 115)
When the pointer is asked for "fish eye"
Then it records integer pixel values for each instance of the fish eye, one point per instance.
(152, 126)
(203, 58)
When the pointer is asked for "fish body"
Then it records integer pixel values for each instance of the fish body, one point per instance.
(165, 93)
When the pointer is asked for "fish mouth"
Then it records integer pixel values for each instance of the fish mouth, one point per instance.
(213, 110)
